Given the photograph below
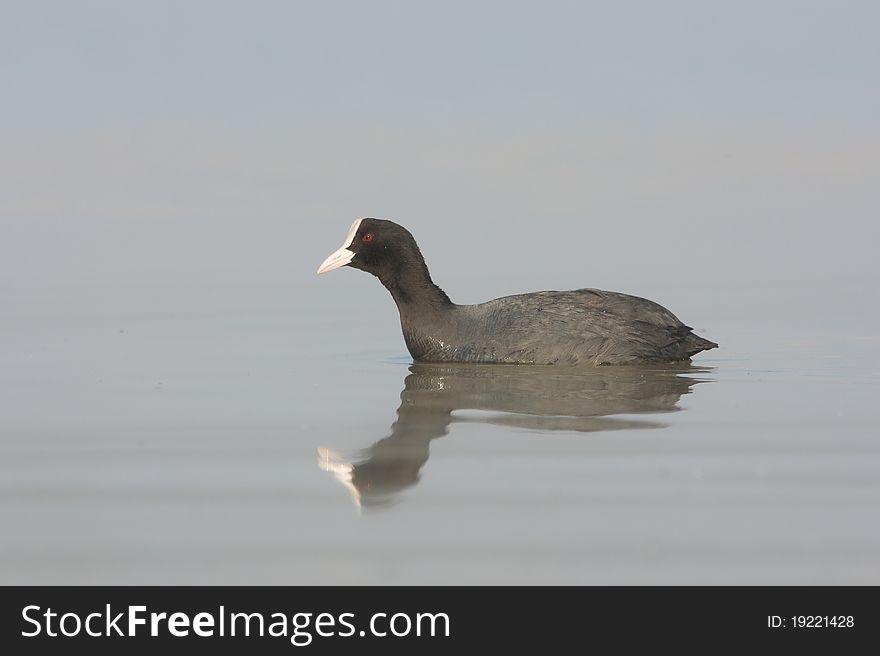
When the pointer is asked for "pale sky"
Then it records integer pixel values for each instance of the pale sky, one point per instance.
(726, 129)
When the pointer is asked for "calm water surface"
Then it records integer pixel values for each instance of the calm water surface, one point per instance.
(282, 435)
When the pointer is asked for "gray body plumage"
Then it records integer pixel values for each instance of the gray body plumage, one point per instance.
(583, 326)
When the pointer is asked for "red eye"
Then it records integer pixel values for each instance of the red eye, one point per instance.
(367, 237)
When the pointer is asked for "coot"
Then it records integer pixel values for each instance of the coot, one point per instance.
(582, 326)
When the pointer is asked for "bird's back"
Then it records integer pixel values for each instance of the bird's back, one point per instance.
(583, 326)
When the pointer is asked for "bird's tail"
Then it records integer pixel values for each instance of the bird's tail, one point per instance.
(694, 344)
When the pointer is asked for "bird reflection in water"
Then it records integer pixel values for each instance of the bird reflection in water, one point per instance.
(535, 398)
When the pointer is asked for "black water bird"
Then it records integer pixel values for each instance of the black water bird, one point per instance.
(582, 326)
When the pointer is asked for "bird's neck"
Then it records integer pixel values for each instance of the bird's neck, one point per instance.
(413, 290)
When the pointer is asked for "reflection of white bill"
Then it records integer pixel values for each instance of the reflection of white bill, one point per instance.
(331, 461)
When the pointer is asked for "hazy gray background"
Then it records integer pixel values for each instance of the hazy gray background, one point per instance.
(227, 139)
(171, 175)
